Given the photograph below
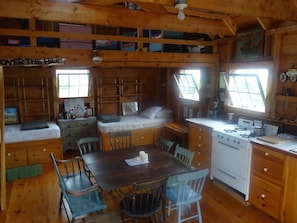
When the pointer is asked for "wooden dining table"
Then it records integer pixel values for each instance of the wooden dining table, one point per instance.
(111, 171)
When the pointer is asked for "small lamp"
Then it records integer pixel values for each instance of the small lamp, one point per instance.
(181, 5)
(96, 58)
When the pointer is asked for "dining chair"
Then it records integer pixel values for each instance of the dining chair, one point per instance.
(145, 200)
(120, 140)
(185, 156)
(77, 189)
(165, 144)
(187, 192)
(89, 145)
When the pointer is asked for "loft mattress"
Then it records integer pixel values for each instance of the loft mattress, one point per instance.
(132, 122)
(14, 134)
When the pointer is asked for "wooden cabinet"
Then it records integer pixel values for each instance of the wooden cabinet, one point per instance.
(32, 152)
(273, 183)
(267, 177)
(200, 143)
(74, 129)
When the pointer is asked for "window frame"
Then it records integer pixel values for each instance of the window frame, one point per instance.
(270, 91)
(75, 72)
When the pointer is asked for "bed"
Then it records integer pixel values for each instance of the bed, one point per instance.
(31, 146)
(145, 127)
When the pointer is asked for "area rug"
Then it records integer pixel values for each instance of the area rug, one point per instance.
(23, 172)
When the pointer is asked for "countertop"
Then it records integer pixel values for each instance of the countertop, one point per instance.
(284, 146)
(212, 123)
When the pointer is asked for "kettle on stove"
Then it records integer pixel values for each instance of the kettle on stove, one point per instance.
(258, 128)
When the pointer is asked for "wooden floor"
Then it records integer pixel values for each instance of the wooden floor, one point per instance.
(36, 199)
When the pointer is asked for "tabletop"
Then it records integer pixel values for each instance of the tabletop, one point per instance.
(111, 171)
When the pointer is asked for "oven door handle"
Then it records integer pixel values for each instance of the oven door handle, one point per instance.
(228, 174)
(225, 144)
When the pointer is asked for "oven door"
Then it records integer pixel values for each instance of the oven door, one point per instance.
(231, 164)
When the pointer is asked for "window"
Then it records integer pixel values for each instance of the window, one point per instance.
(188, 82)
(73, 83)
(247, 88)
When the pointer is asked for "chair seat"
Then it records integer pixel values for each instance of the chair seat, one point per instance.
(86, 203)
(77, 182)
(191, 195)
(135, 207)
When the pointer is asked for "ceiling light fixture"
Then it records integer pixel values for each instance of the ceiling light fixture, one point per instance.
(181, 5)
(96, 58)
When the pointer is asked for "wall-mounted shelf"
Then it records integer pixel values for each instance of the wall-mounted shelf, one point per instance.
(286, 98)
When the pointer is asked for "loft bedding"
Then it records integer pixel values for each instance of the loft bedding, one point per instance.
(13, 133)
(151, 117)
(131, 122)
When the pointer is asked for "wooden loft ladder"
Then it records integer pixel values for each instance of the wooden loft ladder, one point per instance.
(2, 144)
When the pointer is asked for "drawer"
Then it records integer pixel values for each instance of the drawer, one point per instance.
(201, 159)
(78, 132)
(40, 153)
(265, 196)
(142, 137)
(200, 145)
(200, 131)
(77, 123)
(268, 165)
(16, 157)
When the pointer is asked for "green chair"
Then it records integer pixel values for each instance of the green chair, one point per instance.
(77, 189)
(188, 191)
(165, 144)
(89, 145)
(184, 155)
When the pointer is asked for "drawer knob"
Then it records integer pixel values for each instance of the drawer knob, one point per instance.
(199, 137)
(266, 154)
(265, 169)
(8, 154)
(199, 153)
(142, 137)
(262, 196)
(198, 164)
(200, 129)
(199, 145)
(44, 149)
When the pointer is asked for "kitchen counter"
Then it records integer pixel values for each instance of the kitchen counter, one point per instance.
(212, 123)
(284, 146)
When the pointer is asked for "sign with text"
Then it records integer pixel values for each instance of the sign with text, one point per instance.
(28, 62)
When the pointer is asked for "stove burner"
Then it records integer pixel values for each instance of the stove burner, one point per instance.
(236, 129)
(251, 135)
(240, 129)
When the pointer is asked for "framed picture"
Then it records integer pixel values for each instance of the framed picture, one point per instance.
(11, 115)
(249, 44)
(130, 108)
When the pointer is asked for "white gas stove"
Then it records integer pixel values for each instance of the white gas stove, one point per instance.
(231, 154)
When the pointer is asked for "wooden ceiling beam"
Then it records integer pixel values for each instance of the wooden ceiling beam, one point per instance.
(76, 57)
(276, 9)
(86, 14)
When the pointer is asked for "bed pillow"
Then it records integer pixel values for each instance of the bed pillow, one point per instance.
(164, 113)
(150, 112)
(109, 118)
(34, 125)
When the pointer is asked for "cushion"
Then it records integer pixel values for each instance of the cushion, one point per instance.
(34, 125)
(109, 118)
(164, 113)
(151, 112)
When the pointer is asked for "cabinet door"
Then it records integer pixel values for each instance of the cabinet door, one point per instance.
(266, 196)
(142, 137)
(39, 152)
(16, 156)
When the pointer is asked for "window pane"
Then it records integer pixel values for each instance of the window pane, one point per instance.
(73, 83)
(188, 82)
(247, 88)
